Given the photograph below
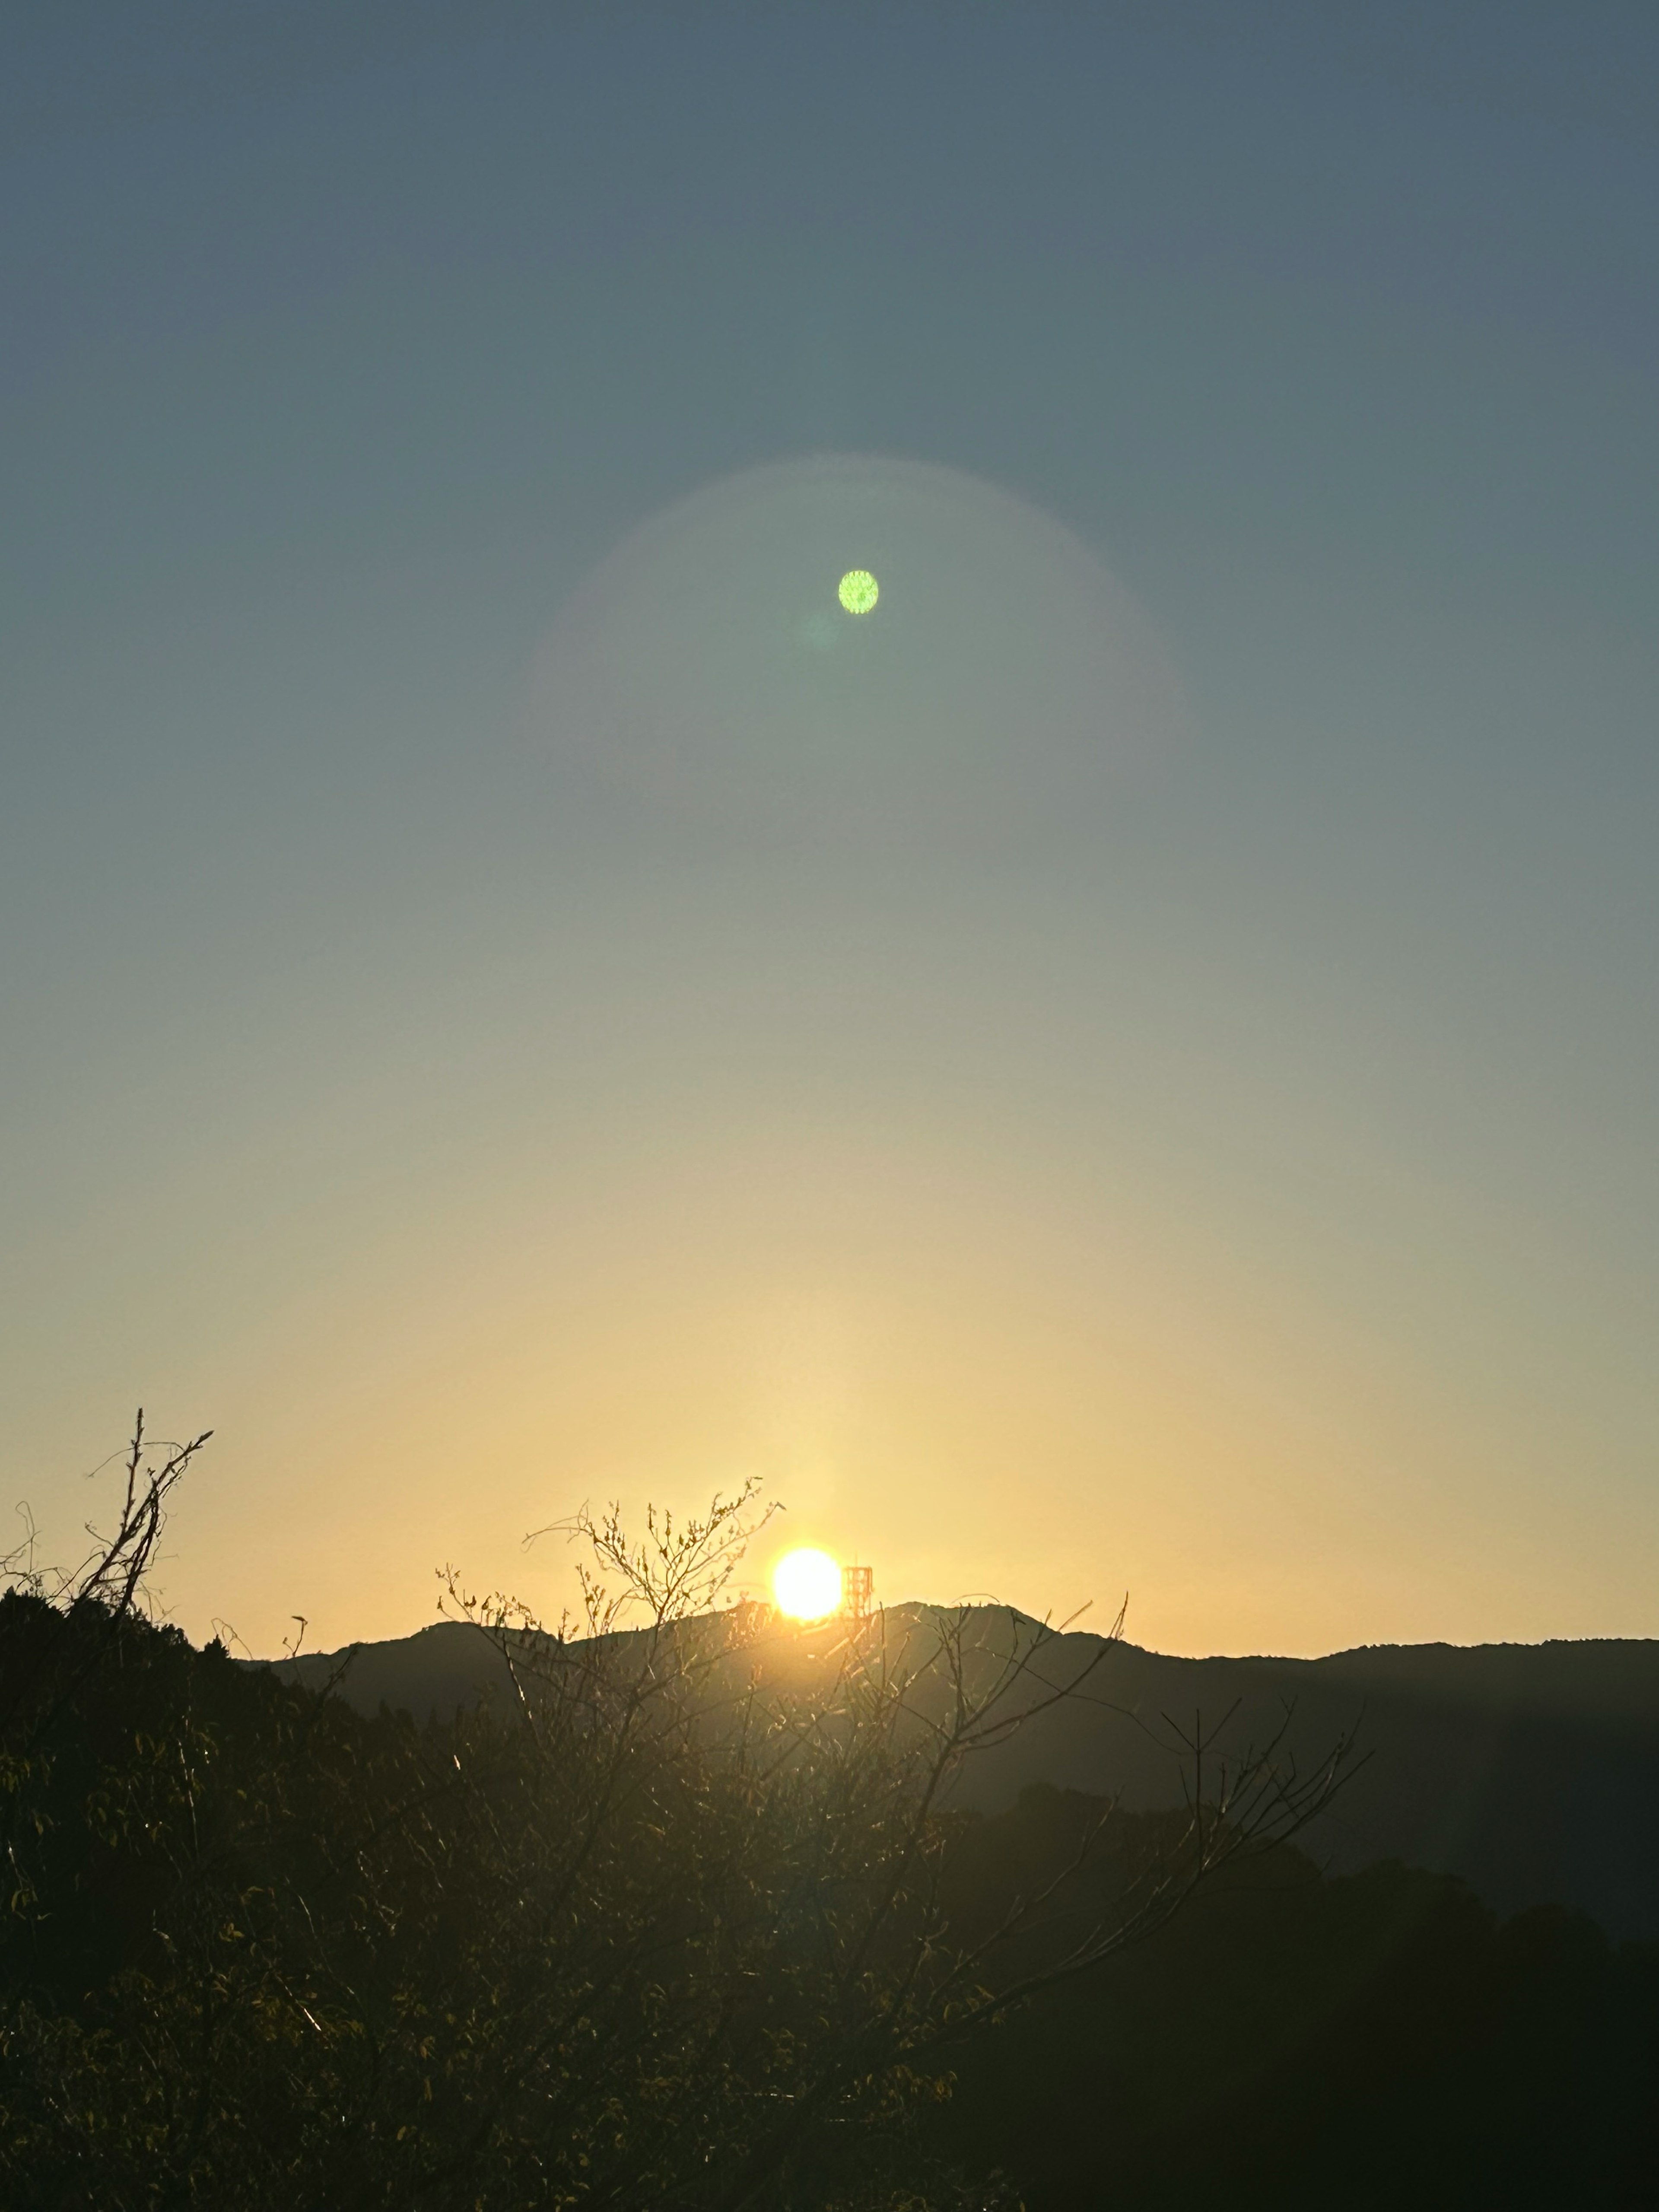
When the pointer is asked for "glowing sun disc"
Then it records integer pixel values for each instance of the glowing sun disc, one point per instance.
(806, 1584)
(858, 591)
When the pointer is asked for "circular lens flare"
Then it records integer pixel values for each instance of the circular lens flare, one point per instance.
(806, 1585)
(858, 591)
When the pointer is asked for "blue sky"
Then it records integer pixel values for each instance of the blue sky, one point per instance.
(1246, 1196)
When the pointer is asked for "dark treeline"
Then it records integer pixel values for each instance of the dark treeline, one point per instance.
(1529, 1772)
(263, 1950)
(700, 1918)
(1375, 2039)
(679, 1924)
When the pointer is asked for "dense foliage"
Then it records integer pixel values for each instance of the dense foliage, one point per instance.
(1290, 2041)
(691, 1923)
(261, 1951)
(674, 1929)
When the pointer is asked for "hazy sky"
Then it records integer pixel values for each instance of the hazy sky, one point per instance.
(1133, 1066)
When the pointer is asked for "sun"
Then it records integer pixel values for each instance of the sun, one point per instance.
(806, 1584)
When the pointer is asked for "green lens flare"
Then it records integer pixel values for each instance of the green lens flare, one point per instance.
(858, 591)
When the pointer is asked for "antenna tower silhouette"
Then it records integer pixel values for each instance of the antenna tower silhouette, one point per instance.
(857, 1591)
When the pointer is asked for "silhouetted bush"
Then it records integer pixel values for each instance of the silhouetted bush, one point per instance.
(1379, 2039)
(689, 1925)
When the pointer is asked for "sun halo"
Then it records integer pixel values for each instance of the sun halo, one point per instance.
(806, 1584)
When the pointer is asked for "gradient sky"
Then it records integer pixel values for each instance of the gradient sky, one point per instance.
(1170, 1107)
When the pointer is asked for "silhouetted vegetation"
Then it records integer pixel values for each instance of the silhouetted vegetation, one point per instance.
(692, 1923)
(676, 1928)
(1378, 2040)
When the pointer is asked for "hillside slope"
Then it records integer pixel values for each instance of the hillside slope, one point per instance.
(1529, 1772)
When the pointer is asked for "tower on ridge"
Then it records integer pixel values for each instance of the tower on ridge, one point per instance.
(857, 1591)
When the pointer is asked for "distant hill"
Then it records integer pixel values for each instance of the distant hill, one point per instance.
(1531, 1772)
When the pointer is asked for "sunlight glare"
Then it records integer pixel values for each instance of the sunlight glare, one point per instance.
(806, 1584)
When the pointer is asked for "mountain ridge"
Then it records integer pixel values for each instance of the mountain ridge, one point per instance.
(1530, 1771)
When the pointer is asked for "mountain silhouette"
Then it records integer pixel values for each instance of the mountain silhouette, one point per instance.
(1529, 1772)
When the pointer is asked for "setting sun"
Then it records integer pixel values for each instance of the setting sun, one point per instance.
(806, 1584)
